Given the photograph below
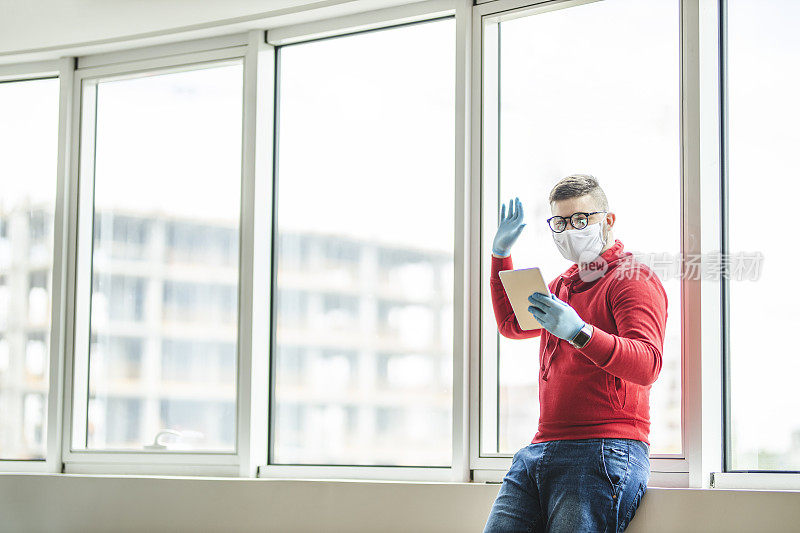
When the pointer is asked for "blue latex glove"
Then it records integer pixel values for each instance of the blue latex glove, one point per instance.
(555, 315)
(509, 229)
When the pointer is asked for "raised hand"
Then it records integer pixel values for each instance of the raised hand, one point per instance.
(509, 229)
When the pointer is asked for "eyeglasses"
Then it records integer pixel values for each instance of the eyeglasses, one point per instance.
(578, 220)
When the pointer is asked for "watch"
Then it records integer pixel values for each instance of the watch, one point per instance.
(582, 337)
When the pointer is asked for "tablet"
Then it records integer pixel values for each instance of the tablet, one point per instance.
(519, 284)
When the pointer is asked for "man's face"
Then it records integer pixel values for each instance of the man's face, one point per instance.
(584, 204)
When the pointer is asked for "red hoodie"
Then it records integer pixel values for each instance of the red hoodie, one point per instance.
(602, 389)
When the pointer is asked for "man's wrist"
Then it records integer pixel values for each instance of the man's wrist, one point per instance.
(575, 334)
(581, 338)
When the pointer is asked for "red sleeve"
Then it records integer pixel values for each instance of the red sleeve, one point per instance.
(507, 322)
(639, 306)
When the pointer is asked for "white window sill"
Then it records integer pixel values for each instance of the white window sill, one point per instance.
(87, 503)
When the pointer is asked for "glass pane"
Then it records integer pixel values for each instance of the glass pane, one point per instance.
(365, 250)
(763, 74)
(28, 159)
(576, 97)
(162, 350)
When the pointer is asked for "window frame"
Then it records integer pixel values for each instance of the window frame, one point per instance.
(697, 125)
(386, 19)
(63, 70)
(127, 64)
(726, 476)
(703, 116)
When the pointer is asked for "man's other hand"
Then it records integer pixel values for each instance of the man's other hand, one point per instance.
(555, 315)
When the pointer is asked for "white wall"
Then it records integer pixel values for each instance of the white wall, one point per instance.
(62, 502)
(47, 23)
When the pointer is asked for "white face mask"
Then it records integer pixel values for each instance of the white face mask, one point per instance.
(581, 245)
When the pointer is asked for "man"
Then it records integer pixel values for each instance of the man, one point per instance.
(600, 348)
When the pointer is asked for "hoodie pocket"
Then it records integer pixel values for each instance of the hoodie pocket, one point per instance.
(617, 391)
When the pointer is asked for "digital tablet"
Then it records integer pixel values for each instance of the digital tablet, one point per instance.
(519, 284)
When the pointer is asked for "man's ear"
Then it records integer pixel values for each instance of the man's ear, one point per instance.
(609, 227)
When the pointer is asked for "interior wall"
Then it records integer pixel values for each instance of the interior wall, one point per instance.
(81, 503)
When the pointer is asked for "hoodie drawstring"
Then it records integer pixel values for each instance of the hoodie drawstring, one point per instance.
(548, 362)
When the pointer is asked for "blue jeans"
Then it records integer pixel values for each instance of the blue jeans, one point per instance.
(592, 485)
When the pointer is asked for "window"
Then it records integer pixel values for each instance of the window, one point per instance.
(127, 237)
(365, 187)
(119, 298)
(163, 264)
(116, 422)
(201, 424)
(762, 73)
(200, 302)
(189, 361)
(358, 244)
(28, 159)
(208, 243)
(118, 358)
(39, 296)
(565, 92)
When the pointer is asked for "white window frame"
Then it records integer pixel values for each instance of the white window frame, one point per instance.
(374, 20)
(702, 235)
(250, 424)
(702, 81)
(700, 187)
(63, 70)
(724, 476)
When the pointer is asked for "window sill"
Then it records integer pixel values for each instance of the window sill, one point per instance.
(76, 502)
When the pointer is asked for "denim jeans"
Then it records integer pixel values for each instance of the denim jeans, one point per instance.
(592, 485)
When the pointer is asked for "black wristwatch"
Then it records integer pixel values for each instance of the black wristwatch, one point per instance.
(582, 337)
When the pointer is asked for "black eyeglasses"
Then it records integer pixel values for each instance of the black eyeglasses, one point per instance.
(578, 220)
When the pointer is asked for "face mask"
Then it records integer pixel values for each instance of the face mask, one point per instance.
(581, 245)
